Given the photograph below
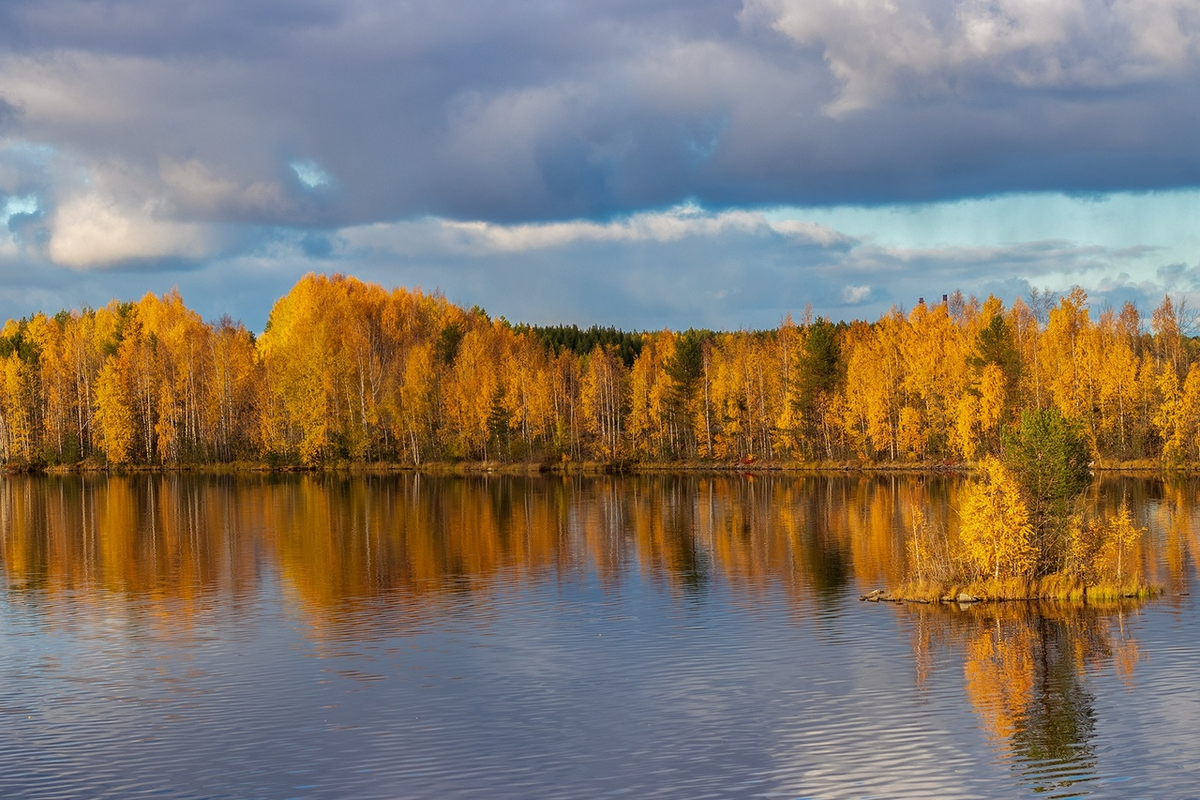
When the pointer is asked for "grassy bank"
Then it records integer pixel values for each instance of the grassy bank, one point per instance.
(1050, 587)
(469, 467)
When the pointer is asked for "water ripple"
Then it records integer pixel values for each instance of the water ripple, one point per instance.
(626, 645)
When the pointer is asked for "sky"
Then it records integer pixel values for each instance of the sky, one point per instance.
(638, 163)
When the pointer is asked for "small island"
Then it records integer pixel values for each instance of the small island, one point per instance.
(1024, 534)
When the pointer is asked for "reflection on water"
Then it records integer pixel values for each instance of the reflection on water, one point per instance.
(1024, 674)
(714, 617)
(337, 541)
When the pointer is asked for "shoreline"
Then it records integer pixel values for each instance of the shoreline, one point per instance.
(1140, 468)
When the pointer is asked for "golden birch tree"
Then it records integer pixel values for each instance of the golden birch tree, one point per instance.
(996, 532)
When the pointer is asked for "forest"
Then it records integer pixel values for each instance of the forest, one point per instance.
(351, 372)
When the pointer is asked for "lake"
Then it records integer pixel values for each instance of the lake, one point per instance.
(310, 636)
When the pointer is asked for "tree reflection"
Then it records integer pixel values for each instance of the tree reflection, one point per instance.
(1025, 670)
(339, 541)
(403, 546)
(1059, 722)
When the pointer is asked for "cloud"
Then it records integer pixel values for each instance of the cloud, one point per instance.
(681, 268)
(688, 267)
(8, 114)
(883, 48)
(90, 230)
(479, 238)
(853, 295)
(664, 226)
(523, 113)
(196, 190)
(632, 157)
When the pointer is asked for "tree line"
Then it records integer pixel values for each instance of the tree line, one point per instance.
(350, 371)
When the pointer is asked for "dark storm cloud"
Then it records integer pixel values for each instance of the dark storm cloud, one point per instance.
(538, 110)
(605, 162)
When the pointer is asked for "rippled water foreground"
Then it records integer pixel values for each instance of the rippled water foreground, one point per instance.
(676, 637)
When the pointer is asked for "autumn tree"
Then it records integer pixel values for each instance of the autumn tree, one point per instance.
(232, 399)
(1117, 427)
(997, 533)
(1177, 418)
(933, 347)
(325, 355)
(295, 351)
(1121, 538)
(347, 370)
(651, 394)
(995, 371)
(1104, 549)
(472, 392)
(785, 422)
(603, 399)
(55, 442)
(19, 359)
(1169, 339)
(875, 378)
(116, 429)
(1047, 453)
(565, 381)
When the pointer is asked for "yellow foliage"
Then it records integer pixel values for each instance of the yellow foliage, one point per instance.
(966, 431)
(999, 676)
(15, 423)
(417, 398)
(1105, 550)
(992, 397)
(996, 533)
(472, 390)
(601, 399)
(1120, 542)
(114, 416)
(349, 370)
(646, 421)
(912, 433)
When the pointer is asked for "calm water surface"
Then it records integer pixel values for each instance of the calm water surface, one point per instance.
(547, 637)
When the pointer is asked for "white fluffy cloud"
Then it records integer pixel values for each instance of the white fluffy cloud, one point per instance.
(878, 48)
(686, 221)
(658, 226)
(91, 230)
(853, 295)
